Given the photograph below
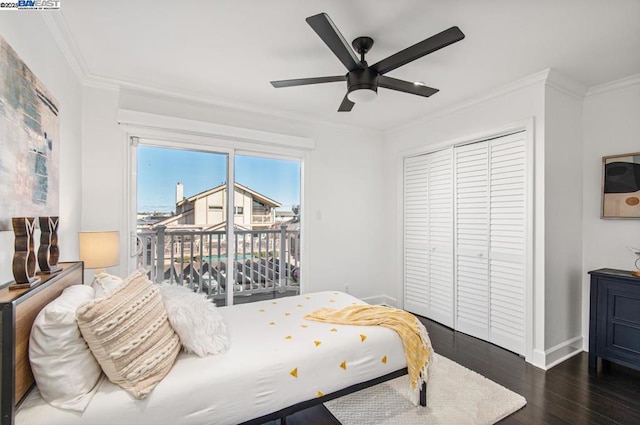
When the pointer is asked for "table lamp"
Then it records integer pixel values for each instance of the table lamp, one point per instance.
(99, 250)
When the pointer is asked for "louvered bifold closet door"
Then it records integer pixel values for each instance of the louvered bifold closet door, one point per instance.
(416, 234)
(472, 239)
(428, 236)
(441, 237)
(507, 241)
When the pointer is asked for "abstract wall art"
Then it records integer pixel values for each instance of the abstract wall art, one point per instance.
(621, 186)
(29, 142)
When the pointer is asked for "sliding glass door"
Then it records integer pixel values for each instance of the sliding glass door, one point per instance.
(192, 230)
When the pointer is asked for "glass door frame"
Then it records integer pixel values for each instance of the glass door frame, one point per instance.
(213, 145)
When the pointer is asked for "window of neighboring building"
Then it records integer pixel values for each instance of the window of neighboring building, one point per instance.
(238, 210)
(259, 207)
(215, 207)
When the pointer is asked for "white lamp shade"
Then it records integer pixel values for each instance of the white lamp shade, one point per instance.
(362, 95)
(99, 250)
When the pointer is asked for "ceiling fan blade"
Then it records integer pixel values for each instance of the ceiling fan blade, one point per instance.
(419, 50)
(405, 86)
(346, 105)
(328, 32)
(305, 81)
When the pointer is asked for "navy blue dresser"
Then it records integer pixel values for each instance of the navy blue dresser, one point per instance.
(614, 318)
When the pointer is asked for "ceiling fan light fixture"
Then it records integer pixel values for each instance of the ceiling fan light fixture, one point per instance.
(362, 95)
(362, 85)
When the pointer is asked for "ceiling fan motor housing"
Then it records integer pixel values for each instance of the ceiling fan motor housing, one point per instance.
(360, 79)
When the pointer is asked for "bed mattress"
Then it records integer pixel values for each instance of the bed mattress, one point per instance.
(276, 359)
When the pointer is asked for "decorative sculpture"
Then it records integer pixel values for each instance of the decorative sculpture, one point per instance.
(24, 259)
(48, 252)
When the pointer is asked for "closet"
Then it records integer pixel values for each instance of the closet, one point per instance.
(465, 221)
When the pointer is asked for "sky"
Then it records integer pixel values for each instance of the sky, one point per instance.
(159, 169)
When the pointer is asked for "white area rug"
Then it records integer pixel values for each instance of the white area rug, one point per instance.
(455, 395)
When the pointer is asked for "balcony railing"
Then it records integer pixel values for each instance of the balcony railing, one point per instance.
(263, 260)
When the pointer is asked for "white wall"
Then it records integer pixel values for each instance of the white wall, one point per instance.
(27, 33)
(611, 127)
(563, 223)
(344, 225)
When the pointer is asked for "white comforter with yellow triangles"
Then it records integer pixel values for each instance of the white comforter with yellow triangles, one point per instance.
(276, 359)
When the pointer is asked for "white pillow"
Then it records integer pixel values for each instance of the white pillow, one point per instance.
(196, 320)
(103, 283)
(64, 368)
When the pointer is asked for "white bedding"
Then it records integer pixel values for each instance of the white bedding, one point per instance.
(276, 359)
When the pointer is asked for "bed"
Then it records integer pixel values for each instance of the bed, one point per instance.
(277, 363)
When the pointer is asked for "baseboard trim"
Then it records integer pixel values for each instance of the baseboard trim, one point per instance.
(381, 300)
(561, 352)
(557, 354)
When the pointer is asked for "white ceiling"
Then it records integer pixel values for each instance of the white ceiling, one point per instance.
(227, 51)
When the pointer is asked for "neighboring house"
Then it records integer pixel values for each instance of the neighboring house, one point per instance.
(207, 209)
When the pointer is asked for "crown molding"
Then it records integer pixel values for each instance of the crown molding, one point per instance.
(622, 83)
(539, 77)
(566, 85)
(60, 30)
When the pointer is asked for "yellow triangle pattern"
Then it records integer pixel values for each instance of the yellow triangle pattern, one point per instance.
(344, 365)
(287, 314)
(332, 301)
(299, 306)
(384, 360)
(362, 337)
(334, 330)
(320, 394)
(274, 302)
(261, 310)
(294, 373)
(307, 298)
(317, 343)
(288, 337)
(272, 323)
(304, 326)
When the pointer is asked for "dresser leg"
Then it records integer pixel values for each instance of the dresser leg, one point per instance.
(593, 361)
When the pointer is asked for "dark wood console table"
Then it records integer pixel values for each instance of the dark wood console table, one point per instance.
(614, 318)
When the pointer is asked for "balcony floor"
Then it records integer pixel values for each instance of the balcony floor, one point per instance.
(243, 299)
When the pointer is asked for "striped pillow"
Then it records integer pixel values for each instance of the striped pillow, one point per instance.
(129, 334)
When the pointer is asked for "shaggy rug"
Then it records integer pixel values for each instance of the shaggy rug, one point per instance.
(455, 395)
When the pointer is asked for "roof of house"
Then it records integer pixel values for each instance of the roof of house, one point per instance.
(256, 195)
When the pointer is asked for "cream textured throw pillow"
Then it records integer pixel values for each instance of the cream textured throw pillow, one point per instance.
(130, 336)
(196, 320)
(66, 372)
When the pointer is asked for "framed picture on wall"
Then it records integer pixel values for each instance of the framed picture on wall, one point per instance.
(621, 186)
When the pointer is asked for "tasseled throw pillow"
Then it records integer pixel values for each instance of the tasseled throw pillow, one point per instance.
(130, 335)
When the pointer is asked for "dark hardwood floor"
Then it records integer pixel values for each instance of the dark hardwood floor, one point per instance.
(566, 394)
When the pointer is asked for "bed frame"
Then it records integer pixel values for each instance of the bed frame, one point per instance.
(19, 309)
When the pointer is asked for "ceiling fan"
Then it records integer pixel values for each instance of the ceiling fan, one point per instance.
(363, 80)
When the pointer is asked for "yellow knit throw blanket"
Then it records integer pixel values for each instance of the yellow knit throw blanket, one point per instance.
(417, 346)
